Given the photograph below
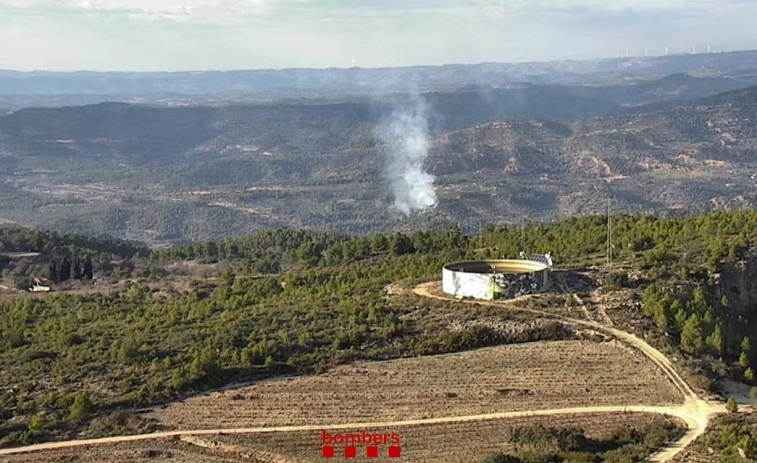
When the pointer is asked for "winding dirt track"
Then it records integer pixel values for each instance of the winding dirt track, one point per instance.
(677, 412)
(694, 411)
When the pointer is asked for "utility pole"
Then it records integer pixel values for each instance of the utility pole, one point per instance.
(522, 235)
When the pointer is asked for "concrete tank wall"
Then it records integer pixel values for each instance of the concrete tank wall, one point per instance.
(494, 279)
(461, 284)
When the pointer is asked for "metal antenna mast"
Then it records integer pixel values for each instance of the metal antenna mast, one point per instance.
(609, 234)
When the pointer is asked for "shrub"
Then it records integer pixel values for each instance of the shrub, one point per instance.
(731, 406)
(81, 409)
(36, 423)
(617, 280)
(500, 457)
(749, 375)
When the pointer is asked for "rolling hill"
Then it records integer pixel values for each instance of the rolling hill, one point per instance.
(176, 174)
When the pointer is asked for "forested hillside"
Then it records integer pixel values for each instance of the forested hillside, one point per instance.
(174, 175)
(294, 301)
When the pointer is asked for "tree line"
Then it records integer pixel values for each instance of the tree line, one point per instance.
(66, 268)
(19, 239)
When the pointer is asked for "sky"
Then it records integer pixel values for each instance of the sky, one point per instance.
(172, 35)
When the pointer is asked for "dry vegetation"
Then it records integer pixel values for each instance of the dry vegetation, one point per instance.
(532, 376)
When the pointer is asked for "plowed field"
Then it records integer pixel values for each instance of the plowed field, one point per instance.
(532, 376)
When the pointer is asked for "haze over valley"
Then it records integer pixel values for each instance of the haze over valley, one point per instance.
(214, 154)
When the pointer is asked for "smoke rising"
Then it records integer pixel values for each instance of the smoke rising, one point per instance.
(405, 135)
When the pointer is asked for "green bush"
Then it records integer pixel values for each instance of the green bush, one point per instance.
(36, 423)
(732, 406)
(502, 458)
(81, 408)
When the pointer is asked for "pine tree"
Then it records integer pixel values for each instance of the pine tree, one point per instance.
(746, 345)
(77, 271)
(692, 334)
(308, 253)
(697, 302)
(88, 273)
(64, 270)
(227, 276)
(204, 364)
(661, 321)
(82, 406)
(400, 244)
(744, 360)
(708, 322)
(715, 340)
(732, 406)
(52, 272)
(749, 375)
(680, 315)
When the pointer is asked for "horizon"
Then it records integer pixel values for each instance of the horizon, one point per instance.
(337, 68)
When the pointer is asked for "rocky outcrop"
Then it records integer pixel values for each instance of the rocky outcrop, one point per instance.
(738, 282)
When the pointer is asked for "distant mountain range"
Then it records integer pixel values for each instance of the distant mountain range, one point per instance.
(22, 89)
(137, 131)
(167, 174)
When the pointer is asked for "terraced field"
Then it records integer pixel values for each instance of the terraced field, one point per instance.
(453, 443)
(532, 376)
(159, 450)
(448, 442)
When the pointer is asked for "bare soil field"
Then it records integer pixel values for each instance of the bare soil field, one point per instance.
(163, 450)
(453, 442)
(531, 376)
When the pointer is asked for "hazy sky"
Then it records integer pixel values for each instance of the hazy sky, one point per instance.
(247, 34)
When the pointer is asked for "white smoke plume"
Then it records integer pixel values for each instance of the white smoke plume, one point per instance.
(405, 135)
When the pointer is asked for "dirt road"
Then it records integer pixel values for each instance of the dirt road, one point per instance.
(678, 412)
(694, 411)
